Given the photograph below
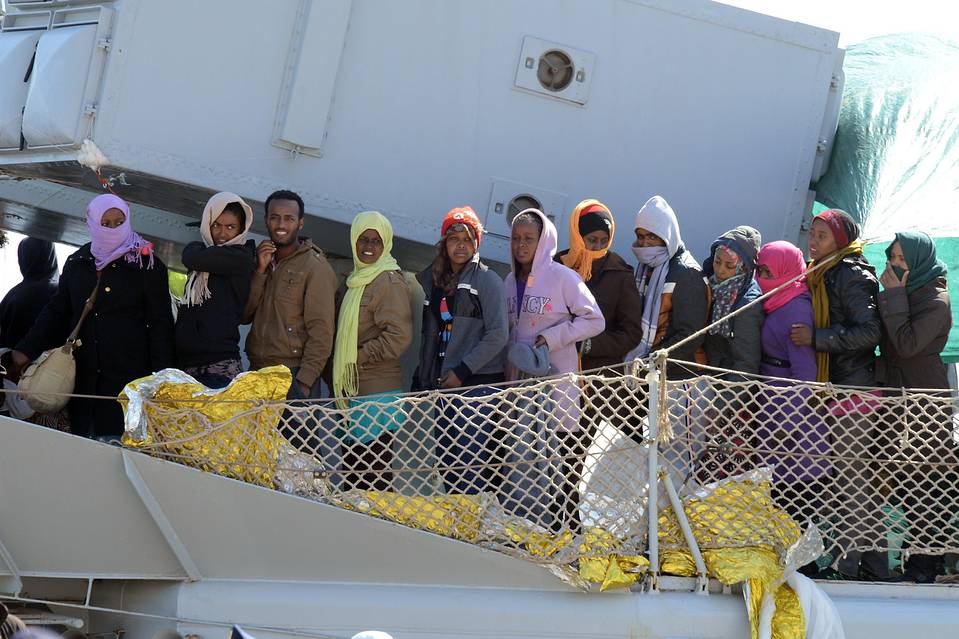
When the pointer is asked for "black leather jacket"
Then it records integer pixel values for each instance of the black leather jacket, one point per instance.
(854, 323)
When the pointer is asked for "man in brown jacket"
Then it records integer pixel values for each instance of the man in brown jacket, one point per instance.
(291, 301)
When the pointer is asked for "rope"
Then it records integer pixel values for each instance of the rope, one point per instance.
(501, 469)
(829, 260)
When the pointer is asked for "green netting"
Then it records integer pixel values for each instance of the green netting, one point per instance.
(895, 161)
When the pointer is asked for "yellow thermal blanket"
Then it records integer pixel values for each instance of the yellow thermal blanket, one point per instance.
(231, 432)
(743, 537)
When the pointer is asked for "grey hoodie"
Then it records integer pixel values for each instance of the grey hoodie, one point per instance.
(477, 345)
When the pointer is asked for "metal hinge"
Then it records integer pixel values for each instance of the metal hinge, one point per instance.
(834, 82)
(90, 109)
(105, 43)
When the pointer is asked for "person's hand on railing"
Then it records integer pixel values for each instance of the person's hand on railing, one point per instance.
(450, 380)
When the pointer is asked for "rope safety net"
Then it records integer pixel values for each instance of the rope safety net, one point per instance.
(556, 470)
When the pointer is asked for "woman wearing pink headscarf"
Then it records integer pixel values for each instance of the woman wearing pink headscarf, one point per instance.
(786, 422)
(129, 332)
(776, 264)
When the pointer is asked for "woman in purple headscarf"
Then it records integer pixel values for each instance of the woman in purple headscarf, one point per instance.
(129, 332)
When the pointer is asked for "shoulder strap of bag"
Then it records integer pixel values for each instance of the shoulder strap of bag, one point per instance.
(86, 311)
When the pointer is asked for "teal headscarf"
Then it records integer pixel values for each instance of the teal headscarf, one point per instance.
(920, 252)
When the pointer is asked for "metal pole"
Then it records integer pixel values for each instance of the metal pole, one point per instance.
(652, 503)
(702, 581)
(12, 584)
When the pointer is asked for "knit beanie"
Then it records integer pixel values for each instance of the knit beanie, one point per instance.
(463, 215)
(844, 228)
(592, 219)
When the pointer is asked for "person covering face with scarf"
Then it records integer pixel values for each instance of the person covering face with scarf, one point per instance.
(374, 330)
(734, 343)
(128, 334)
(221, 266)
(671, 287)
(916, 315)
(109, 242)
(792, 439)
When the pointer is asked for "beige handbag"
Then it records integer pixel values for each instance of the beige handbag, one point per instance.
(47, 382)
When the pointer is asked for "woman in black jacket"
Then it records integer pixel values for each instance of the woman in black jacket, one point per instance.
(129, 332)
(844, 293)
(847, 330)
(207, 325)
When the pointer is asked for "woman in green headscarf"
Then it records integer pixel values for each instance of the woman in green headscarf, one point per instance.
(916, 314)
(916, 318)
(375, 327)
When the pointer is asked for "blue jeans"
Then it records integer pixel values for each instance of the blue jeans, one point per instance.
(462, 432)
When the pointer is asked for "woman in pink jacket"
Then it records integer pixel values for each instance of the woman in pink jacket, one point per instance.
(549, 306)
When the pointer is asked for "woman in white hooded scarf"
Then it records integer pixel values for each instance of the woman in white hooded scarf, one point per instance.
(676, 301)
(674, 292)
(207, 328)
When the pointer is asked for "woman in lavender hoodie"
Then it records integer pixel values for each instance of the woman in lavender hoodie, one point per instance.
(788, 423)
(547, 305)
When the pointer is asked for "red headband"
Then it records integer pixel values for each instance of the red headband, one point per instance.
(836, 223)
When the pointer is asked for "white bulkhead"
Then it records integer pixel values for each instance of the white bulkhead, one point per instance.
(415, 107)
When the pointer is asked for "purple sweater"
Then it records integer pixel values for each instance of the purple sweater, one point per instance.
(786, 423)
(777, 345)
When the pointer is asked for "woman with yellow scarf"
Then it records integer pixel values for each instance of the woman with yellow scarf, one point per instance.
(844, 290)
(375, 328)
(610, 279)
(847, 329)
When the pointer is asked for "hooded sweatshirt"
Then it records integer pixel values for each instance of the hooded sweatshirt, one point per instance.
(559, 306)
(742, 350)
(681, 306)
(23, 303)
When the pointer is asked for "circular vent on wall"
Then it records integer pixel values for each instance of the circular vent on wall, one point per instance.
(555, 70)
(519, 204)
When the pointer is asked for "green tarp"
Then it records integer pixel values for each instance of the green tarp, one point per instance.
(895, 160)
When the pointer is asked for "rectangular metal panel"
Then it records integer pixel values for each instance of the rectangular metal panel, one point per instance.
(83, 518)
(312, 65)
(61, 101)
(55, 98)
(16, 52)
